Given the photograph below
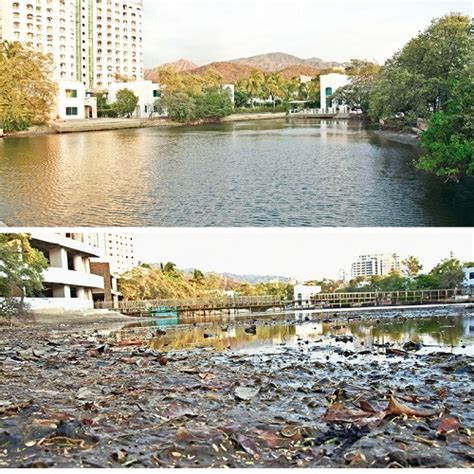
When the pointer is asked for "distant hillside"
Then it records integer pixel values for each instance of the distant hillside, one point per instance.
(236, 69)
(253, 279)
(231, 72)
(181, 65)
(277, 61)
(297, 70)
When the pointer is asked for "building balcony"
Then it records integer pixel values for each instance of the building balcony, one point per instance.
(61, 276)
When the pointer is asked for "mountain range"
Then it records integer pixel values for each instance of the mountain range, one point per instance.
(236, 69)
(252, 279)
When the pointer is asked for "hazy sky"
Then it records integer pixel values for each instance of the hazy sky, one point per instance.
(208, 30)
(297, 253)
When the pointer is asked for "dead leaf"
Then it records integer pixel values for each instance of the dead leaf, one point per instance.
(270, 439)
(337, 412)
(246, 444)
(448, 426)
(396, 408)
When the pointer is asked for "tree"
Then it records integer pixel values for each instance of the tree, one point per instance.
(356, 94)
(253, 85)
(170, 80)
(449, 273)
(411, 266)
(241, 99)
(26, 90)
(273, 86)
(214, 104)
(448, 143)
(21, 266)
(179, 106)
(125, 103)
(416, 79)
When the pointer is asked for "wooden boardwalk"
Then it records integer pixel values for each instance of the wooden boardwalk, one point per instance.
(320, 301)
(392, 298)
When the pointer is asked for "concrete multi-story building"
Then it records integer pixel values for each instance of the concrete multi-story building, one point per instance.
(118, 249)
(68, 281)
(96, 42)
(93, 43)
(375, 264)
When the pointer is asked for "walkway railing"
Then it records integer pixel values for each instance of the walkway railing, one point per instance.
(384, 298)
(322, 300)
(196, 304)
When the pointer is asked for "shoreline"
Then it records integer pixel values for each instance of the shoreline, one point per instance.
(404, 138)
(104, 124)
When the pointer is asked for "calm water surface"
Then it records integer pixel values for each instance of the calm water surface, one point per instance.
(447, 333)
(269, 173)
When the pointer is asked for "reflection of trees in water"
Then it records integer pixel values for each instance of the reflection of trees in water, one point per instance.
(221, 340)
(445, 330)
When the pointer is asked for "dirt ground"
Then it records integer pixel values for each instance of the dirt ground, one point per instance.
(73, 397)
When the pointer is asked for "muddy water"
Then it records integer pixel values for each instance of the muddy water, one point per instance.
(438, 333)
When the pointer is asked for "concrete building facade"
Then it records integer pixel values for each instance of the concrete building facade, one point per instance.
(96, 42)
(469, 277)
(116, 248)
(73, 102)
(147, 93)
(330, 83)
(302, 294)
(375, 264)
(68, 281)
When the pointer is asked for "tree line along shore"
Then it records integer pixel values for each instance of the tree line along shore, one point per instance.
(428, 81)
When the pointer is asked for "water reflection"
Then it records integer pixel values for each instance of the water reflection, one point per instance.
(268, 173)
(436, 333)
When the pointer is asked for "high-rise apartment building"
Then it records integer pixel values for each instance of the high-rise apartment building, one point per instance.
(95, 42)
(375, 264)
(118, 249)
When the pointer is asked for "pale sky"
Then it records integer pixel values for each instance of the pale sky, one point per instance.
(203, 31)
(297, 253)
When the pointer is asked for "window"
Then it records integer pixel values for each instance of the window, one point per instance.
(71, 111)
(71, 93)
(471, 276)
(156, 94)
(328, 91)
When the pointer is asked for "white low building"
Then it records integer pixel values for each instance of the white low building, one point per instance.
(304, 293)
(73, 102)
(146, 91)
(330, 83)
(469, 276)
(68, 281)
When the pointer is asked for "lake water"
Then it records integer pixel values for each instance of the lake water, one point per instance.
(267, 173)
(436, 333)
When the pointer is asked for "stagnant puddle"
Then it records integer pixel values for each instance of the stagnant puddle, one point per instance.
(278, 332)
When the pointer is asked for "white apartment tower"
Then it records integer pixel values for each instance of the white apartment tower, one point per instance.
(96, 42)
(118, 249)
(48, 26)
(375, 264)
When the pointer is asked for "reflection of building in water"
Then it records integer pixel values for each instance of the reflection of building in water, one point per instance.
(306, 330)
(469, 326)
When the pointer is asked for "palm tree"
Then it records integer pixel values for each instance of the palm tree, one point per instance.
(253, 85)
(169, 268)
(273, 86)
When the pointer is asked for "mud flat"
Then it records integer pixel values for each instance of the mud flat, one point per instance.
(128, 397)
